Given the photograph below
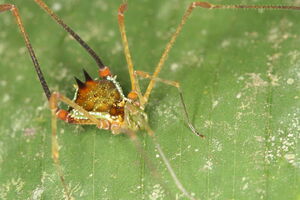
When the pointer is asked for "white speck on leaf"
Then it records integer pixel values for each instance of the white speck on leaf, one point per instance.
(37, 193)
(56, 7)
(208, 165)
(245, 187)
(215, 103)
(290, 81)
(157, 193)
(5, 98)
(208, 124)
(225, 43)
(29, 131)
(259, 138)
(3, 83)
(116, 48)
(174, 67)
(256, 81)
(19, 78)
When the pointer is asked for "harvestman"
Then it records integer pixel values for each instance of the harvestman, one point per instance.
(102, 102)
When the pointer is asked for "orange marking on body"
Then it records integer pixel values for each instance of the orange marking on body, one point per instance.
(203, 4)
(132, 95)
(90, 84)
(62, 114)
(104, 72)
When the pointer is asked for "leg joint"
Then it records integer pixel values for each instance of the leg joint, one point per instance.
(122, 9)
(5, 7)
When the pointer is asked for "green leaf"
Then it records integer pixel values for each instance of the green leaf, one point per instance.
(240, 74)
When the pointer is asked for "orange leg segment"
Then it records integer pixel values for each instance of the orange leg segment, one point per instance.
(122, 9)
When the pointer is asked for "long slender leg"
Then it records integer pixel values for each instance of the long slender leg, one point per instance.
(15, 12)
(177, 85)
(154, 172)
(57, 113)
(167, 163)
(55, 148)
(74, 35)
(135, 140)
(183, 21)
(122, 9)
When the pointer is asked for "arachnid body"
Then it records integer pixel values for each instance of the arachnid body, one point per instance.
(108, 107)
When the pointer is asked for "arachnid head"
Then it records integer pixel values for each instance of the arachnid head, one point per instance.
(135, 118)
